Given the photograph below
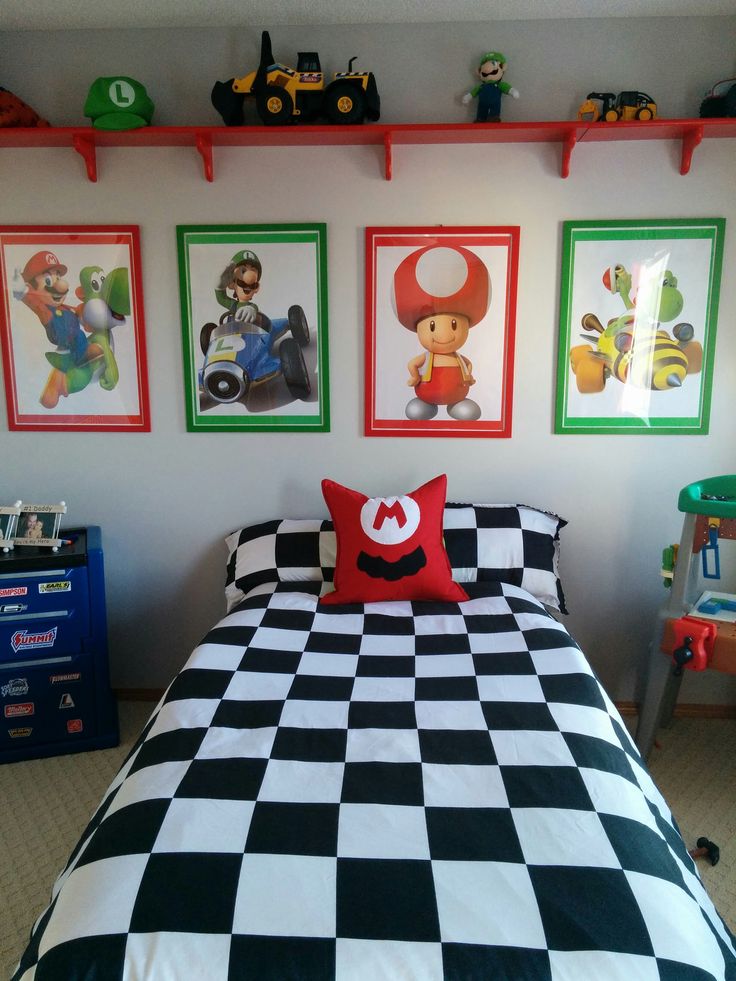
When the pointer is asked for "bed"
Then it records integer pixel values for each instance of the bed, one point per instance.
(396, 789)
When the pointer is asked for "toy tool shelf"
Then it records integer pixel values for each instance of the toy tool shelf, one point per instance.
(85, 140)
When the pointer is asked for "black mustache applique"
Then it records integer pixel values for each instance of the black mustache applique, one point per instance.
(379, 568)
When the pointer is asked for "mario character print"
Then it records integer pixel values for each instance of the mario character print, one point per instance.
(441, 376)
(390, 547)
(638, 315)
(71, 328)
(254, 326)
(446, 301)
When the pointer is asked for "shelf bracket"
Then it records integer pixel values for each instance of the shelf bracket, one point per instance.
(690, 139)
(86, 148)
(568, 145)
(204, 148)
(388, 155)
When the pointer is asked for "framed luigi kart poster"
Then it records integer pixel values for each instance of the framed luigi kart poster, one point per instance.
(254, 321)
(638, 314)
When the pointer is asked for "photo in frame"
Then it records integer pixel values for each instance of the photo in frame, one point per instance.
(9, 514)
(638, 317)
(254, 323)
(440, 330)
(72, 328)
(38, 524)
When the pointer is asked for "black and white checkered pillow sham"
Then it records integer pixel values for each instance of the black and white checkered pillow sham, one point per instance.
(509, 543)
(504, 543)
(282, 550)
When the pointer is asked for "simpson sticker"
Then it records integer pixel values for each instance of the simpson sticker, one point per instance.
(60, 679)
(27, 640)
(13, 591)
(74, 725)
(18, 709)
(55, 587)
(15, 688)
(20, 733)
(67, 702)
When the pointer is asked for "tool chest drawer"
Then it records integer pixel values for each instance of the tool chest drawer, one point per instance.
(51, 703)
(55, 692)
(43, 611)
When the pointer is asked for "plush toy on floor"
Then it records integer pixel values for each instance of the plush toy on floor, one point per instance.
(15, 112)
(490, 71)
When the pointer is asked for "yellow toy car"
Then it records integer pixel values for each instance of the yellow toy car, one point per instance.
(285, 94)
(609, 107)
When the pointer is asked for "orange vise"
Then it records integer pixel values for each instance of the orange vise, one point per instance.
(689, 642)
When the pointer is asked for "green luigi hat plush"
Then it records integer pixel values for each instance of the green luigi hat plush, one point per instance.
(118, 102)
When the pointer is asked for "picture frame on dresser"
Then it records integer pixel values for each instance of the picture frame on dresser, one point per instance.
(254, 327)
(637, 326)
(441, 320)
(9, 514)
(38, 524)
(72, 328)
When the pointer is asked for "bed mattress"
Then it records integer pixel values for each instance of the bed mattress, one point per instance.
(396, 790)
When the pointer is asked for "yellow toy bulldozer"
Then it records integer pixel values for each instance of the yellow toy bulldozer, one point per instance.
(286, 94)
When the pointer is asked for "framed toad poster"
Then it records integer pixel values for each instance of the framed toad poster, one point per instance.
(440, 327)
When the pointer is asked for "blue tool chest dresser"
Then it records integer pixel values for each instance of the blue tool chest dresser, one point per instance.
(55, 692)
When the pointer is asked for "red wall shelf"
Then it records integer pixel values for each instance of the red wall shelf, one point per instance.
(85, 140)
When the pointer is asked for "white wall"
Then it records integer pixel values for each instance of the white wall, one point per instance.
(165, 500)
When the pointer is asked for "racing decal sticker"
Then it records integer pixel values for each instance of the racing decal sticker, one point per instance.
(22, 733)
(67, 702)
(13, 607)
(55, 587)
(13, 591)
(19, 708)
(14, 688)
(60, 679)
(33, 639)
(74, 725)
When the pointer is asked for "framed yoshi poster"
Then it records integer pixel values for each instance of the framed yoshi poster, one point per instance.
(254, 322)
(638, 316)
(71, 328)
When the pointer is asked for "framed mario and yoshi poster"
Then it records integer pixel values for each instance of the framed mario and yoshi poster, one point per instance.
(72, 328)
(254, 322)
(440, 328)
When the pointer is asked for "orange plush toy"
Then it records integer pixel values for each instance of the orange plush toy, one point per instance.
(14, 112)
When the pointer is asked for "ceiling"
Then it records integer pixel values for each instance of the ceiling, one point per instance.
(80, 14)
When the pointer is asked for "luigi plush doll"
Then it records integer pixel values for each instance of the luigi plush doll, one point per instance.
(118, 102)
(491, 69)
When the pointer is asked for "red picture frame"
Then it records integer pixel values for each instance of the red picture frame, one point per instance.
(440, 311)
(72, 328)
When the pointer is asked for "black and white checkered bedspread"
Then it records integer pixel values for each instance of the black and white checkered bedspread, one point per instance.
(396, 791)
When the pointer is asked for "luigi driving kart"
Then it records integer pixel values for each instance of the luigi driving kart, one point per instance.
(245, 348)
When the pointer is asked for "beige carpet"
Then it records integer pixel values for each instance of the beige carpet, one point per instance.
(47, 803)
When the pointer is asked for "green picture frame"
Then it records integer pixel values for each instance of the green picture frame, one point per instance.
(637, 330)
(254, 327)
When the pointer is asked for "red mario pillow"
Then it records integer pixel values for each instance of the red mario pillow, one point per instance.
(390, 548)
